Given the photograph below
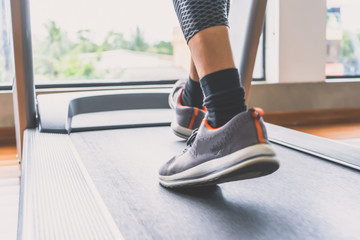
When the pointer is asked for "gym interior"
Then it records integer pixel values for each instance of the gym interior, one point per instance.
(84, 121)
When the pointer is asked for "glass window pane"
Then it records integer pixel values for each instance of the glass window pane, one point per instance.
(259, 70)
(6, 50)
(343, 38)
(108, 41)
(111, 40)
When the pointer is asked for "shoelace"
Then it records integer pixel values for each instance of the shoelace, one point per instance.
(192, 137)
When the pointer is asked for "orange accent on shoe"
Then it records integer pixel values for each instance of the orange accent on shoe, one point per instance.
(193, 118)
(260, 111)
(204, 109)
(259, 131)
(179, 99)
(207, 125)
(257, 113)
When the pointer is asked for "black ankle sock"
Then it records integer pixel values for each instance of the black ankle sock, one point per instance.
(224, 96)
(192, 94)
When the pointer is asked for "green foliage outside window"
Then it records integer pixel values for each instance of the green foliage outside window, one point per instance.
(59, 58)
(347, 53)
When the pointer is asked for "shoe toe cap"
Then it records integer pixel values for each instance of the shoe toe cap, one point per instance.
(166, 169)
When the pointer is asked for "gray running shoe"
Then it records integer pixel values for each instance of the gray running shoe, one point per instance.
(236, 151)
(186, 118)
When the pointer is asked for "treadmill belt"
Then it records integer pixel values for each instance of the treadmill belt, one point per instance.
(307, 198)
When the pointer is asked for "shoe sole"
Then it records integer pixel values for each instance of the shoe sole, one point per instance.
(171, 101)
(180, 131)
(252, 162)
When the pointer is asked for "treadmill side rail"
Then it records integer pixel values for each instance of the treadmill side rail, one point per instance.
(324, 148)
(58, 199)
(56, 111)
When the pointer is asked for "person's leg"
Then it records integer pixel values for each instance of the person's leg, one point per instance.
(231, 143)
(192, 94)
(220, 81)
(204, 24)
(193, 72)
(186, 99)
(211, 51)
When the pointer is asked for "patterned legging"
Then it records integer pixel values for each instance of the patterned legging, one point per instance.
(196, 15)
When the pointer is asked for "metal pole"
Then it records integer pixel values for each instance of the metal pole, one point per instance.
(252, 37)
(23, 86)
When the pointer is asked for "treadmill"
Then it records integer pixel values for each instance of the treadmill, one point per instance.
(89, 165)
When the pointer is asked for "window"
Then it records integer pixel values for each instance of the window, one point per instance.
(343, 38)
(90, 41)
(259, 66)
(6, 54)
(106, 41)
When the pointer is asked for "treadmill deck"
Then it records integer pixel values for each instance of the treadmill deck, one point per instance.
(307, 198)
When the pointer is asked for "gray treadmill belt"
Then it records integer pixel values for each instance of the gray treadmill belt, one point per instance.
(307, 198)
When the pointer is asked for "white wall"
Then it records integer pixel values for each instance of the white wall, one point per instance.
(296, 41)
(282, 97)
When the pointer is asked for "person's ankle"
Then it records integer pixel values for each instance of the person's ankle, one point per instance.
(192, 94)
(224, 96)
(218, 119)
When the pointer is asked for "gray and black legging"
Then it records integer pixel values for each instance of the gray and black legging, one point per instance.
(196, 15)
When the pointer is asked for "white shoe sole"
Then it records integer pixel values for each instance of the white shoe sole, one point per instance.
(180, 131)
(171, 101)
(254, 161)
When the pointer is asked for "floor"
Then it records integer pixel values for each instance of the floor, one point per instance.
(263, 208)
(348, 133)
(10, 172)
(9, 192)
